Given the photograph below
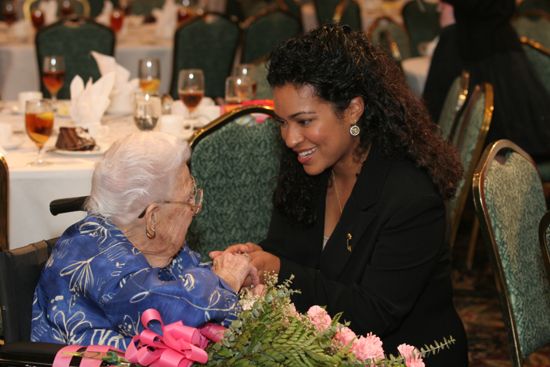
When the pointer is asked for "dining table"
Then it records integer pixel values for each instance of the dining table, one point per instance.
(135, 41)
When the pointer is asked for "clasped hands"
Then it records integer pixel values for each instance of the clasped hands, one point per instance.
(259, 260)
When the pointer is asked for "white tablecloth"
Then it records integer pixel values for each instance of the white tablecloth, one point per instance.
(20, 70)
(416, 71)
(31, 188)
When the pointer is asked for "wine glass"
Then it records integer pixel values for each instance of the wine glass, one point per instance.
(238, 89)
(147, 111)
(149, 75)
(53, 74)
(39, 116)
(37, 18)
(8, 12)
(117, 19)
(66, 8)
(191, 88)
(248, 70)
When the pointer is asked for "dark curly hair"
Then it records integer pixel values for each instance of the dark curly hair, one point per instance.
(340, 65)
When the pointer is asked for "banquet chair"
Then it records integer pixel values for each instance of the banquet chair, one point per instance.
(469, 139)
(455, 99)
(207, 42)
(19, 273)
(392, 37)
(74, 40)
(509, 203)
(236, 164)
(292, 6)
(539, 58)
(324, 9)
(145, 7)
(4, 203)
(536, 28)
(421, 20)
(261, 33)
(80, 7)
(530, 5)
(544, 240)
(348, 12)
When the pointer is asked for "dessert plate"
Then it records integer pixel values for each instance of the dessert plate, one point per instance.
(97, 151)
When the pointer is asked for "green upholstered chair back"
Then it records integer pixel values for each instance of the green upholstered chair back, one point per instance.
(19, 272)
(74, 41)
(4, 203)
(534, 28)
(544, 240)
(527, 6)
(145, 7)
(325, 10)
(469, 139)
(390, 36)
(263, 32)
(456, 96)
(539, 58)
(422, 23)
(209, 43)
(348, 12)
(236, 164)
(96, 6)
(509, 203)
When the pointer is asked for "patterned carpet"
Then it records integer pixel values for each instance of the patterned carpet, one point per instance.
(477, 302)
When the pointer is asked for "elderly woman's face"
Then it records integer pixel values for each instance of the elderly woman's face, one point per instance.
(175, 217)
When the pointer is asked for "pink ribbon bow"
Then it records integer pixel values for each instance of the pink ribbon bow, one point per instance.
(178, 346)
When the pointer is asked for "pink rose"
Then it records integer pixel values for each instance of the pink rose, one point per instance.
(344, 336)
(412, 356)
(368, 347)
(319, 318)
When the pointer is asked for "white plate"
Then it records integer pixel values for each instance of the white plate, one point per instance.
(97, 151)
(14, 143)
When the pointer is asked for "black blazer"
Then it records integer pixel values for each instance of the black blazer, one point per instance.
(395, 282)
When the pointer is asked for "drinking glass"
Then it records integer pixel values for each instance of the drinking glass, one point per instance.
(8, 12)
(39, 115)
(238, 89)
(66, 8)
(37, 18)
(147, 111)
(117, 19)
(53, 74)
(248, 70)
(191, 88)
(149, 75)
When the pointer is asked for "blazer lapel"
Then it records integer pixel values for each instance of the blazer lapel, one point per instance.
(357, 215)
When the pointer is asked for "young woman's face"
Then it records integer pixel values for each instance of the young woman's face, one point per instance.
(311, 128)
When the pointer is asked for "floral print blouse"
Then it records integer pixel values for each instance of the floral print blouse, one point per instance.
(96, 285)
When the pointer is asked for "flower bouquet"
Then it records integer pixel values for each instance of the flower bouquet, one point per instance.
(270, 332)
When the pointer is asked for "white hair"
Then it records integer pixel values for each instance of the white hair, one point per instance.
(136, 171)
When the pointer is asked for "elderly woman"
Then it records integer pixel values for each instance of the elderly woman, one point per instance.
(128, 254)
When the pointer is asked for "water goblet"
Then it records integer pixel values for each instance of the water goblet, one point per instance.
(39, 118)
(147, 110)
(248, 70)
(149, 75)
(53, 74)
(191, 88)
(238, 89)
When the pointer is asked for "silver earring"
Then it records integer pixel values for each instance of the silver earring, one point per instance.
(354, 130)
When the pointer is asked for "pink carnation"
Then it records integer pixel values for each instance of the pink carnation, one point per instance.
(291, 310)
(344, 336)
(412, 356)
(368, 347)
(319, 318)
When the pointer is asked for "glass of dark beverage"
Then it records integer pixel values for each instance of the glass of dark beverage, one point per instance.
(39, 117)
(191, 88)
(66, 8)
(53, 74)
(37, 18)
(247, 70)
(147, 110)
(117, 19)
(8, 12)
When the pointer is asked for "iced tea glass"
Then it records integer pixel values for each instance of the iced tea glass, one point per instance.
(39, 117)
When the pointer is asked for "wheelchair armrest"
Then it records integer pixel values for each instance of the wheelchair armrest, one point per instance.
(68, 205)
(28, 354)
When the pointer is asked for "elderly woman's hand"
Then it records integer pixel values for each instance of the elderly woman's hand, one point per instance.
(234, 269)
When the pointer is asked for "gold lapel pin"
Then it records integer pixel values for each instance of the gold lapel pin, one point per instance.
(348, 239)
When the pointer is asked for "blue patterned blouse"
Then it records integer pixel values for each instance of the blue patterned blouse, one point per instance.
(96, 284)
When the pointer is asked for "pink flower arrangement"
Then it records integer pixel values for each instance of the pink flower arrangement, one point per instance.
(368, 348)
(319, 318)
(411, 355)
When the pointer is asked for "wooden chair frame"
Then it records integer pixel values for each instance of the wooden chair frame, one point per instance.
(461, 100)
(478, 183)
(487, 90)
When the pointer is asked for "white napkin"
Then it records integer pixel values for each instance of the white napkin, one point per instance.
(166, 19)
(205, 112)
(49, 8)
(123, 92)
(105, 16)
(88, 103)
